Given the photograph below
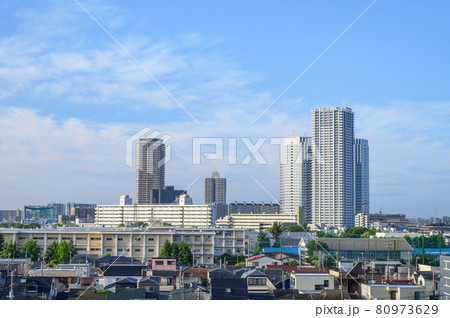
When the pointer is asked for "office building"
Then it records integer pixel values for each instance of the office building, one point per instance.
(361, 176)
(150, 168)
(10, 216)
(333, 167)
(138, 243)
(166, 195)
(215, 189)
(295, 175)
(362, 220)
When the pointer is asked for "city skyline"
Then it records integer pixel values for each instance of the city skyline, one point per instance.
(70, 97)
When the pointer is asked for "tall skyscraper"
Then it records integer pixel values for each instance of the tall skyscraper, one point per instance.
(333, 192)
(215, 189)
(361, 176)
(150, 168)
(295, 175)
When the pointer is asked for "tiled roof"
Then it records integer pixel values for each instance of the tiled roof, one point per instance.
(123, 270)
(251, 258)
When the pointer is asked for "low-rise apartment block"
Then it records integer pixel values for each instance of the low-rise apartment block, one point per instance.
(139, 243)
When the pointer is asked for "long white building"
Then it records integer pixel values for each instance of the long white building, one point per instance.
(176, 214)
(333, 167)
(139, 243)
(295, 175)
(362, 176)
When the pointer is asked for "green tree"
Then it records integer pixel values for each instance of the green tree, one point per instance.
(175, 251)
(50, 254)
(231, 259)
(184, 254)
(313, 247)
(62, 253)
(30, 249)
(2, 241)
(262, 241)
(276, 231)
(166, 250)
(121, 225)
(71, 250)
(9, 250)
(291, 263)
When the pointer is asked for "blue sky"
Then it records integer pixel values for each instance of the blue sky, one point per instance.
(70, 96)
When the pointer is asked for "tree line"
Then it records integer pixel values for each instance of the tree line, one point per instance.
(56, 253)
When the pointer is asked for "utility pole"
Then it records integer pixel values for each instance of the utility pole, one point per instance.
(342, 286)
(282, 279)
(11, 292)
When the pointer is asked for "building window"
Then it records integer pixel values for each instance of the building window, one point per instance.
(120, 238)
(81, 238)
(120, 250)
(137, 249)
(197, 239)
(95, 249)
(151, 239)
(326, 283)
(159, 263)
(66, 238)
(256, 281)
(109, 249)
(109, 238)
(151, 250)
(96, 238)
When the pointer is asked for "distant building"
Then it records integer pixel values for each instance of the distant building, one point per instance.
(388, 220)
(261, 261)
(166, 195)
(295, 175)
(183, 214)
(126, 200)
(333, 167)
(369, 249)
(361, 176)
(256, 221)
(392, 291)
(253, 208)
(362, 220)
(445, 277)
(38, 213)
(10, 216)
(215, 189)
(150, 168)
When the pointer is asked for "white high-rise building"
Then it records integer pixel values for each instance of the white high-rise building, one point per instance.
(333, 202)
(361, 176)
(295, 175)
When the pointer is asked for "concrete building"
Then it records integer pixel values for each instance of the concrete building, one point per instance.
(150, 168)
(183, 215)
(138, 243)
(362, 220)
(215, 189)
(256, 222)
(166, 195)
(369, 249)
(392, 291)
(312, 282)
(361, 176)
(253, 208)
(295, 175)
(125, 200)
(333, 167)
(444, 277)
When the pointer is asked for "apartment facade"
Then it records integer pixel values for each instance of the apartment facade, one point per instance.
(215, 189)
(256, 222)
(182, 215)
(444, 289)
(333, 167)
(361, 176)
(295, 174)
(138, 243)
(150, 168)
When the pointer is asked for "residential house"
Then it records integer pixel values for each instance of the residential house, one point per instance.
(312, 282)
(261, 261)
